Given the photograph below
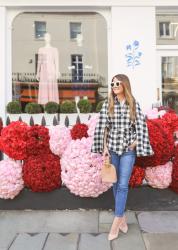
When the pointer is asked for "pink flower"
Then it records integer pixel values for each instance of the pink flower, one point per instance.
(81, 169)
(92, 124)
(154, 113)
(11, 182)
(159, 176)
(60, 137)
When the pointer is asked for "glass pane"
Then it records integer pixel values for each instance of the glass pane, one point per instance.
(170, 81)
(75, 28)
(82, 66)
(161, 29)
(40, 29)
(80, 58)
(167, 29)
(164, 28)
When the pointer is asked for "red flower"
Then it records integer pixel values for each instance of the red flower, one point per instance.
(174, 183)
(79, 130)
(13, 140)
(162, 142)
(136, 179)
(1, 126)
(42, 173)
(171, 119)
(38, 140)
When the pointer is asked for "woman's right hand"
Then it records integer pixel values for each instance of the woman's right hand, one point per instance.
(106, 152)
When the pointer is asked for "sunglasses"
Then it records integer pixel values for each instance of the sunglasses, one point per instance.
(115, 84)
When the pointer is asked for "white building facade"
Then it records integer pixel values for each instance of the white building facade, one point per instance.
(134, 46)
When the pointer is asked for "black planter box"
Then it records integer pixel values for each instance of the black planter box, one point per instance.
(142, 198)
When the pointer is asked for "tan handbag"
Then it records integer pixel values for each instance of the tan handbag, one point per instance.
(108, 171)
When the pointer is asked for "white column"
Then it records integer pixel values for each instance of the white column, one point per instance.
(131, 24)
(3, 43)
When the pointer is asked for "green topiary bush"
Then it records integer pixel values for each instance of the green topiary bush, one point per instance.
(51, 108)
(33, 108)
(84, 106)
(68, 106)
(99, 106)
(14, 107)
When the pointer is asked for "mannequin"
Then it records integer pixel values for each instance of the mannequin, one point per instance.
(47, 72)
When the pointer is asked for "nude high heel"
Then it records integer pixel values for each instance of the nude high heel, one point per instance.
(113, 236)
(123, 226)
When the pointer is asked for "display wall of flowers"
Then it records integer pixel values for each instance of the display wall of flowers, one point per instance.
(46, 158)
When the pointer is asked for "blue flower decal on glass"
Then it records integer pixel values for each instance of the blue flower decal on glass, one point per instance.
(133, 54)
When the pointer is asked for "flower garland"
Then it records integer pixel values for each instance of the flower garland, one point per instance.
(81, 169)
(42, 173)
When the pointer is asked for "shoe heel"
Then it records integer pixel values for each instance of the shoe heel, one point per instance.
(124, 229)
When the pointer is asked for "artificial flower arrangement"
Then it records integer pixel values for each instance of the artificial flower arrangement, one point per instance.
(56, 156)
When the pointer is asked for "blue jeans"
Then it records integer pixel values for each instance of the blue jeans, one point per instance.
(124, 165)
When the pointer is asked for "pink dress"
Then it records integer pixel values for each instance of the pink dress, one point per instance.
(47, 70)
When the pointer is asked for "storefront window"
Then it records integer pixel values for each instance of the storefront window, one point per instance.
(63, 56)
(170, 81)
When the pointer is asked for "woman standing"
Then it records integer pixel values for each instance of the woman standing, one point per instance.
(122, 134)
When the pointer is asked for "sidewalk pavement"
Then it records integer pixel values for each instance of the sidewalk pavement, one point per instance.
(86, 230)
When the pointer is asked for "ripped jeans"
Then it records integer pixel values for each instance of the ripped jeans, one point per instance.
(124, 165)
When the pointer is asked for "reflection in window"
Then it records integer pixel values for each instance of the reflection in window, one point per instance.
(40, 29)
(75, 29)
(164, 28)
(170, 81)
(77, 71)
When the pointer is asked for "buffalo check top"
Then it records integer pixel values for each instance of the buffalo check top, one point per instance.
(122, 132)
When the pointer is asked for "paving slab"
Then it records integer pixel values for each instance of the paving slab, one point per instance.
(56, 241)
(161, 241)
(106, 219)
(158, 222)
(6, 238)
(94, 242)
(26, 241)
(50, 221)
(132, 240)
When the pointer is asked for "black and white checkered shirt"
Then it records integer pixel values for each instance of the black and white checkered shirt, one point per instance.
(122, 132)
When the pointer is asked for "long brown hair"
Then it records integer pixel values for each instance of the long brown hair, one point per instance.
(130, 100)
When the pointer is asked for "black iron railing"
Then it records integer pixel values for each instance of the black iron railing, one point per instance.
(65, 77)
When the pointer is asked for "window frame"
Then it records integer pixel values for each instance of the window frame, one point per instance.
(170, 36)
(70, 30)
(35, 30)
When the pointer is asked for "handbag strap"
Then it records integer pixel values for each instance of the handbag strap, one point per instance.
(107, 161)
